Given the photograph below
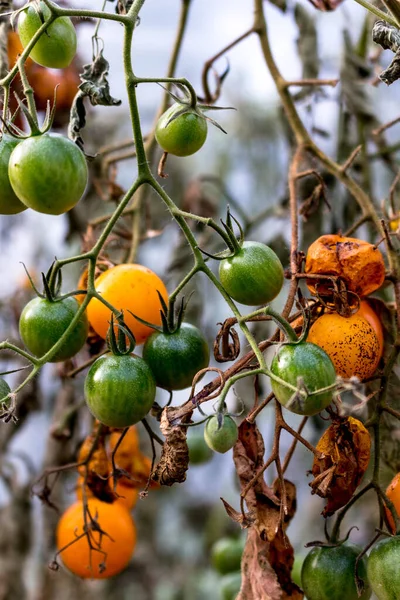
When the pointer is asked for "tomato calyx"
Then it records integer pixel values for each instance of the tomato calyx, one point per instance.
(170, 322)
(117, 342)
(234, 245)
(51, 284)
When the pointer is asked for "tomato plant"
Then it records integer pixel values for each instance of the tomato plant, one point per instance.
(253, 275)
(221, 437)
(383, 568)
(9, 202)
(181, 130)
(328, 573)
(48, 173)
(308, 364)
(44, 321)
(226, 555)
(57, 47)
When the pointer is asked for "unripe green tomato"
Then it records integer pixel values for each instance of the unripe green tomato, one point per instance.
(4, 389)
(48, 173)
(230, 586)
(10, 204)
(183, 136)
(226, 555)
(43, 322)
(384, 568)
(253, 276)
(329, 573)
(221, 439)
(310, 363)
(199, 452)
(119, 390)
(57, 46)
(175, 358)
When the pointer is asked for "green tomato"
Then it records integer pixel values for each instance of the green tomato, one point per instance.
(310, 363)
(329, 573)
(222, 439)
(199, 452)
(175, 358)
(183, 136)
(48, 173)
(119, 390)
(43, 322)
(383, 569)
(253, 276)
(57, 46)
(4, 389)
(226, 555)
(9, 203)
(230, 586)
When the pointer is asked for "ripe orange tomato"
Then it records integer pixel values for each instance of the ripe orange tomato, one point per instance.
(128, 287)
(351, 343)
(114, 550)
(393, 493)
(370, 315)
(128, 446)
(125, 496)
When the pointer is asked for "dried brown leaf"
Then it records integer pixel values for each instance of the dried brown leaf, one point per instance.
(174, 461)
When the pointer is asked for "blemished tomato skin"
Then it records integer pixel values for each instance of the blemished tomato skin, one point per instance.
(383, 568)
(175, 358)
(230, 586)
(4, 389)
(183, 136)
(222, 439)
(119, 390)
(57, 46)
(43, 322)
(253, 276)
(328, 573)
(310, 363)
(128, 287)
(48, 173)
(10, 204)
(226, 555)
(370, 315)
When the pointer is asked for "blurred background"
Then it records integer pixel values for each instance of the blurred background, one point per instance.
(246, 168)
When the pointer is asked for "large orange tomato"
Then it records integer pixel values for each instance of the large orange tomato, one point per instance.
(128, 288)
(113, 550)
(125, 495)
(393, 493)
(370, 315)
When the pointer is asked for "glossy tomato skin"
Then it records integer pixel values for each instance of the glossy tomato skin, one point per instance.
(129, 288)
(199, 452)
(314, 366)
(48, 173)
(230, 586)
(175, 358)
(119, 390)
(226, 555)
(183, 136)
(328, 573)
(253, 276)
(383, 568)
(10, 204)
(222, 439)
(43, 322)
(4, 389)
(57, 46)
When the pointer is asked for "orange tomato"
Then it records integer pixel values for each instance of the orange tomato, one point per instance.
(114, 550)
(351, 343)
(128, 446)
(393, 493)
(370, 315)
(129, 288)
(124, 495)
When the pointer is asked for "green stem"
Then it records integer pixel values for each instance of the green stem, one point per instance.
(378, 13)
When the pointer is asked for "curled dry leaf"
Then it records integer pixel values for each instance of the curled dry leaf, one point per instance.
(346, 447)
(174, 461)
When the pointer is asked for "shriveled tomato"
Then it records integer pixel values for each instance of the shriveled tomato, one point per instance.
(359, 264)
(329, 573)
(43, 322)
(57, 46)
(350, 342)
(129, 288)
(119, 389)
(181, 134)
(253, 276)
(303, 365)
(176, 357)
(226, 555)
(9, 202)
(383, 568)
(221, 439)
(48, 173)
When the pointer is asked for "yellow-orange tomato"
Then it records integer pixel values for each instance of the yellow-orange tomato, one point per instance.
(128, 288)
(351, 343)
(359, 264)
(393, 493)
(116, 547)
(370, 315)
(128, 446)
(124, 495)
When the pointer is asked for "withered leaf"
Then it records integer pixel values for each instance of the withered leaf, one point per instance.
(174, 461)
(346, 447)
(388, 37)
